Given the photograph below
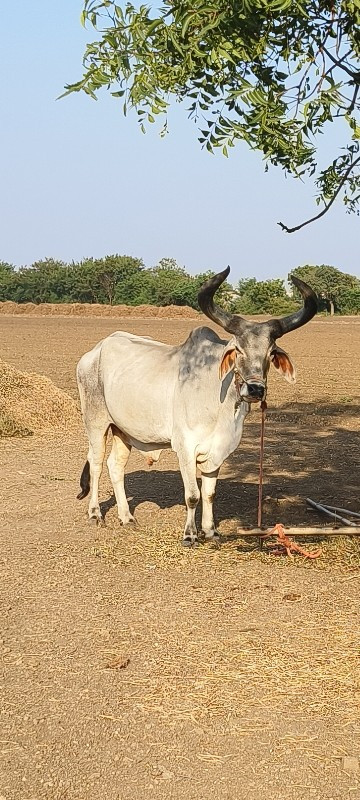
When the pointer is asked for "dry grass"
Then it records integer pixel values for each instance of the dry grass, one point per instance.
(221, 676)
(340, 555)
(97, 310)
(272, 661)
(291, 656)
(30, 402)
(10, 426)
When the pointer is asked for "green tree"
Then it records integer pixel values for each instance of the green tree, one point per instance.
(104, 280)
(172, 284)
(349, 300)
(263, 297)
(169, 265)
(137, 289)
(273, 73)
(44, 281)
(329, 283)
(7, 281)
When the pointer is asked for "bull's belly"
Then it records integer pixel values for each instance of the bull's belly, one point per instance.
(142, 424)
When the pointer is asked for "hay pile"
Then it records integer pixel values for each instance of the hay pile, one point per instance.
(30, 403)
(96, 310)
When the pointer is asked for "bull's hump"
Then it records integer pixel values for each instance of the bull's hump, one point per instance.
(133, 338)
(203, 336)
(200, 353)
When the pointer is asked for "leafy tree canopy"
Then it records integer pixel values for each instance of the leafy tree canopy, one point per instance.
(5, 268)
(117, 279)
(263, 297)
(44, 282)
(273, 73)
(7, 272)
(100, 280)
(337, 291)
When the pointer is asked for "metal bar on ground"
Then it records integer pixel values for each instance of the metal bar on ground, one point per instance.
(319, 507)
(343, 511)
(323, 532)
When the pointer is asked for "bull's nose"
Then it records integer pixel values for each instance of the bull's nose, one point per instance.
(255, 390)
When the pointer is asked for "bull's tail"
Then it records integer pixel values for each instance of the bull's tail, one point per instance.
(84, 482)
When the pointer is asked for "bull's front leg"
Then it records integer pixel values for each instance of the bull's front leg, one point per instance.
(208, 487)
(187, 463)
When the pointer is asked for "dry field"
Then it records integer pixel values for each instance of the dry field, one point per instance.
(134, 669)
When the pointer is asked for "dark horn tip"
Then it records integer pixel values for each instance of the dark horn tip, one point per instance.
(304, 288)
(226, 271)
(308, 294)
(209, 288)
(214, 282)
(298, 318)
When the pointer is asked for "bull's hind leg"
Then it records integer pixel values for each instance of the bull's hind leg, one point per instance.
(187, 464)
(96, 454)
(208, 487)
(117, 461)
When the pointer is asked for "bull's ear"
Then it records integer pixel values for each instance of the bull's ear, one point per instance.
(282, 362)
(228, 359)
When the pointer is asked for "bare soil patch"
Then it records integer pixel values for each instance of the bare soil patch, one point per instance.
(134, 669)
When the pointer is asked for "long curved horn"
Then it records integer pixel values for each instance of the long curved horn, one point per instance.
(280, 326)
(230, 322)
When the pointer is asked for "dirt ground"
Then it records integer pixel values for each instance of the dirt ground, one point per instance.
(134, 669)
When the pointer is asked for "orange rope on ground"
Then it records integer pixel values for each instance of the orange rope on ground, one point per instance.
(288, 544)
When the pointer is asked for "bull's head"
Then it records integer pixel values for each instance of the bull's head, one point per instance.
(253, 345)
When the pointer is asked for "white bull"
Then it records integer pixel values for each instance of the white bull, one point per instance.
(193, 398)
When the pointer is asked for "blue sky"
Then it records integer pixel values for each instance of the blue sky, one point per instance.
(78, 179)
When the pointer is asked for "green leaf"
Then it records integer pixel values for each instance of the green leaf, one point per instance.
(185, 25)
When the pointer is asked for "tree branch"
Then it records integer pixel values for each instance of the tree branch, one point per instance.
(328, 205)
(339, 63)
(352, 104)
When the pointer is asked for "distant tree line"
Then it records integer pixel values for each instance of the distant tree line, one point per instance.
(117, 279)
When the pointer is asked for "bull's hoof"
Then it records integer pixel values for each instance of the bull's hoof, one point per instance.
(190, 541)
(99, 522)
(130, 520)
(213, 537)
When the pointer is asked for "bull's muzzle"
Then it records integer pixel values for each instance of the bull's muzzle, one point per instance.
(254, 391)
